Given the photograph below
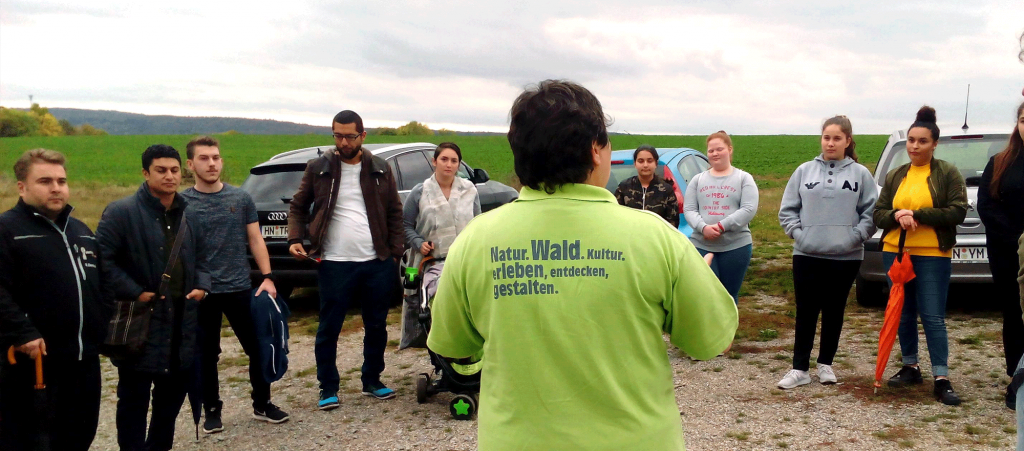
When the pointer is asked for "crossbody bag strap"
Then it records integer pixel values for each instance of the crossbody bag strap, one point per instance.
(165, 278)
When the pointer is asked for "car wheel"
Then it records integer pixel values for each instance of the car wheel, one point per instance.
(871, 294)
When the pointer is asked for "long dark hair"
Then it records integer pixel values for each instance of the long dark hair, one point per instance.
(1002, 160)
(646, 148)
(847, 128)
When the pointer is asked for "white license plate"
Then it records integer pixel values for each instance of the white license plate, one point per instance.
(970, 254)
(275, 231)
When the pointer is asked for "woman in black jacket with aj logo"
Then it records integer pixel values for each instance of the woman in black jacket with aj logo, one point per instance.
(1001, 207)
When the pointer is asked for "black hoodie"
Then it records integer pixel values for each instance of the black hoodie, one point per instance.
(50, 284)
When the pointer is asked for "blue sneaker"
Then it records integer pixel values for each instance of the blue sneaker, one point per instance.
(328, 401)
(378, 391)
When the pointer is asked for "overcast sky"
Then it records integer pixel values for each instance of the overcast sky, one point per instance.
(672, 67)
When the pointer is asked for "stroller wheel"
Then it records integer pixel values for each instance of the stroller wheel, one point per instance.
(462, 407)
(421, 388)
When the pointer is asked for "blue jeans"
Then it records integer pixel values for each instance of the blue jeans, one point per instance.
(731, 267)
(925, 295)
(373, 284)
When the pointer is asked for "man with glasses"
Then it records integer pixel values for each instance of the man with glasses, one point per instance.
(356, 235)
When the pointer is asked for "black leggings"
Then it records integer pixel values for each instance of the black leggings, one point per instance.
(821, 286)
(1004, 265)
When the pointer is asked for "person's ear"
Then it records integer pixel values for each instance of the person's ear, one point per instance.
(595, 153)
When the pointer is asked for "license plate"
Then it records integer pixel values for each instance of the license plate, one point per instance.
(275, 231)
(971, 254)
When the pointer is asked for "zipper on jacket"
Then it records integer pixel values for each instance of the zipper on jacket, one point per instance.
(78, 281)
(643, 198)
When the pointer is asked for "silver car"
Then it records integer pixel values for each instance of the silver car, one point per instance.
(970, 154)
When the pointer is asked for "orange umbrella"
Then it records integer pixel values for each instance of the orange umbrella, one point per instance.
(901, 272)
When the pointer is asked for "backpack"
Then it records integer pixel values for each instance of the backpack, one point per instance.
(270, 319)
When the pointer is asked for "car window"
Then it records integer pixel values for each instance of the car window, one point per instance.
(624, 171)
(413, 168)
(463, 171)
(272, 186)
(690, 166)
(970, 156)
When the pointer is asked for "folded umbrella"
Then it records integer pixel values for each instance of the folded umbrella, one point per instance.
(901, 272)
(40, 403)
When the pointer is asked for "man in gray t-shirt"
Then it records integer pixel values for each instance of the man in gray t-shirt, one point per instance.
(229, 221)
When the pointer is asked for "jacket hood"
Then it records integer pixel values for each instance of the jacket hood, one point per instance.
(30, 211)
(842, 163)
(374, 163)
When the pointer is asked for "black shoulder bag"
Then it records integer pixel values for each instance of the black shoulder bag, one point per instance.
(129, 327)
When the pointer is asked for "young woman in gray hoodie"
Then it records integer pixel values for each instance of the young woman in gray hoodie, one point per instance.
(826, 208)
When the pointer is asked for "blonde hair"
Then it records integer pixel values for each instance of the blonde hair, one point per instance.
(34, 156)
(721, 134)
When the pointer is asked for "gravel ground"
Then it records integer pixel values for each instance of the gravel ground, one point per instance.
(727, 403)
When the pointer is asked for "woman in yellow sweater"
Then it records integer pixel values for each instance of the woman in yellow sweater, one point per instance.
(927, 199)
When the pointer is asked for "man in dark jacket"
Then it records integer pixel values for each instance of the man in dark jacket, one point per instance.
(51, 303)
(356, 232)
(136, 235)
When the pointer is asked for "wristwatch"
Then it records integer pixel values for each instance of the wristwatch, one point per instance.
(270, 276)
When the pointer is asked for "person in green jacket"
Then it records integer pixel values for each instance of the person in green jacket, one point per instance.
(570, 309)
(927, 199)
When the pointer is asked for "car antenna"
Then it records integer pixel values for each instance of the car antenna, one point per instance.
(965, 127)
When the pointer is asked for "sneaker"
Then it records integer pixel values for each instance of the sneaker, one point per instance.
(908, 375)
(794, 379)
(328, 401)
(212, 423)
(270, 414)
(378, 391)
(825, 374)
(945, 394)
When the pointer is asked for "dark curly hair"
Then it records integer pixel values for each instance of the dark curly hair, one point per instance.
(158, 151)
(553, 127)
(926, 119)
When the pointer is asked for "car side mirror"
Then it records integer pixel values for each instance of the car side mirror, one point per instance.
(480, 176)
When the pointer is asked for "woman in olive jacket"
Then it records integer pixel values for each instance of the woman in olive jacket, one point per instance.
(926, 199)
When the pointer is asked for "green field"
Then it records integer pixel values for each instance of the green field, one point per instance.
(105, 168)
(115, 160)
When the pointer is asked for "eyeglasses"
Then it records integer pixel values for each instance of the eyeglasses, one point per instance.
(348, 137)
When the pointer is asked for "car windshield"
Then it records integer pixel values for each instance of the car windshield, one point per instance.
(622, 172)
(273, 186)
(970, 156)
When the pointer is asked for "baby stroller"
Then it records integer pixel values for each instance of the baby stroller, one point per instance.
(458, 376)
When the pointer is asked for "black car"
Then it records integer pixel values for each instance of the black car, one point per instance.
(273, 183)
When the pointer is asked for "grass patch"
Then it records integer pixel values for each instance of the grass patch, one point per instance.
(741, 436)
(893, 434)
(238, 361)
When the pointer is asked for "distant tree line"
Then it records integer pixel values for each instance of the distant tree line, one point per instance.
(413, 128)
(38, 121)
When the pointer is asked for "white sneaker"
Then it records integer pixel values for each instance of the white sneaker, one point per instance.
(825, 374)
(794, 379)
